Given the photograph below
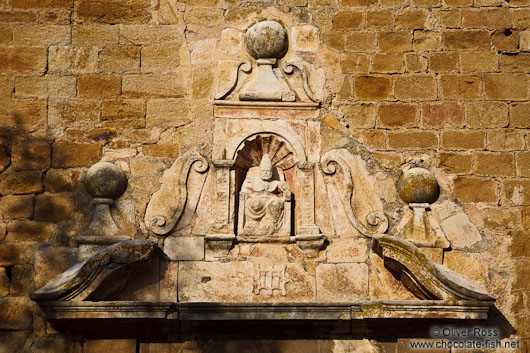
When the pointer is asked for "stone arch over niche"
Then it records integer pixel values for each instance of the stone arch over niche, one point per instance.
(247, 158)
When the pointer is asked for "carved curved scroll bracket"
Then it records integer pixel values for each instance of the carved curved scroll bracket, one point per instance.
(330, 163)
(94, 277)
(289, 67)
(424, 278)
(246, 67)
(167, 205)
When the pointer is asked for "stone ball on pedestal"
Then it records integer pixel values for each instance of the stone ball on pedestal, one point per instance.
(266, 40)
(105, 180)
(418, 185)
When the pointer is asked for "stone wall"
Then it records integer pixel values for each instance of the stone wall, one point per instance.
(438, 84)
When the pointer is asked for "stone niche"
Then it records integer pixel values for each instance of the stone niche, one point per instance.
(268, 227)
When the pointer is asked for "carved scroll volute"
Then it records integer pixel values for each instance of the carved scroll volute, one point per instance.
(166, 206)
(341, 161)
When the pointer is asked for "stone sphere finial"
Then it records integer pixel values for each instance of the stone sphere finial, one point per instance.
(105, 180)
(418, 185)
(266, 40)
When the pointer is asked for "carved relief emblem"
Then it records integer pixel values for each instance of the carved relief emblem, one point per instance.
(270, 279)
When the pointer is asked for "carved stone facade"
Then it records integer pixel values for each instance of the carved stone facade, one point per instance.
(267, 199)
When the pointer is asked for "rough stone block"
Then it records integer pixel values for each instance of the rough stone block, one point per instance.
(111, 345)
(460, 86)
(23, 59)
(160, 59)
(23, 182)
(399, 41)
(73, 112)
(184, 248)
(520, 246)
(6, 34)
(412, 139)
(333, 39)
(455, 163)
(121, 59)
(519, 115)
(505, 39)
(396, 114)
(29, 231)
(61, 86)
(215, 281)
(112, 11)
(415, 87)
(352, 63)
(164, 150)
(465, 40)
(523, 163)
(136, 86)
(95, 34)
(426, 40)
(41, 35)
(202, 83)
(51, 262)
(521, 18)
(204, 16)
(305, 38)
(445, 114)
(31, 87)
(515, 63)
(16, 314)
(517, 191)
(388, 63)
(54, 207)
(415, 62)
(360, 42)
(14, 207)
(443, 62)
(463, 139)
(495, 164)
(347, 250)
(498, 17)
(359, 115)
(342, 282)
(4, 285)
(151, 35)
(31, 155)
(482, 61)
(98, 86)
(22, 280)
(412, 19)
(167, 112)
(67, 155)
(506, 86)
(487, 115)
(348, 20)
(372, 87)
(43, 4)
(506, 140)
(470, 189)
(379, 19)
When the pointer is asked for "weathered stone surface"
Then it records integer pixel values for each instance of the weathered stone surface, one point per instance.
(167, 112)
(446, 114)
(16, 314)
(519, 246)
(412, 140)
(160, 59)
(65, 154)
(459, 140)
(359, 115)
(469, 265)
(214, 281)
(52, 261)
(13, 253)
(487, 115)
(455, 163)
(204, 16)
(72, 59)
(54, 207)
(22, 112)
(396, 114)
(482, 61)
(506, 86)
(418, 185)
(98, 86)
(113, 11)
(24, 182)
(342, 282)
(399, 41)
(460, 86)
(26, 230)
(31, 155)
(61, 180)
(460, 231)
(372, 87)
(16, 206)
(136, 86)
(347, 250)
(41, 35)
(466, 189)
(95, 34)
(464, 40)
(4, 283)
(22, 280)
(121, 59)
(184, 248)
(495, 164)
(114, 345)
(421, 87)
(517, 191)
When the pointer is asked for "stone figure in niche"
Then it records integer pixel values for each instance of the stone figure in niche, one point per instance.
(265, 202)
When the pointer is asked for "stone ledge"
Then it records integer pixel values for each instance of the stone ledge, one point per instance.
(265, 110)
(419, 309)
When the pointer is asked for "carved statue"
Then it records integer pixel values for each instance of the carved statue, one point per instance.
(264, 202)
